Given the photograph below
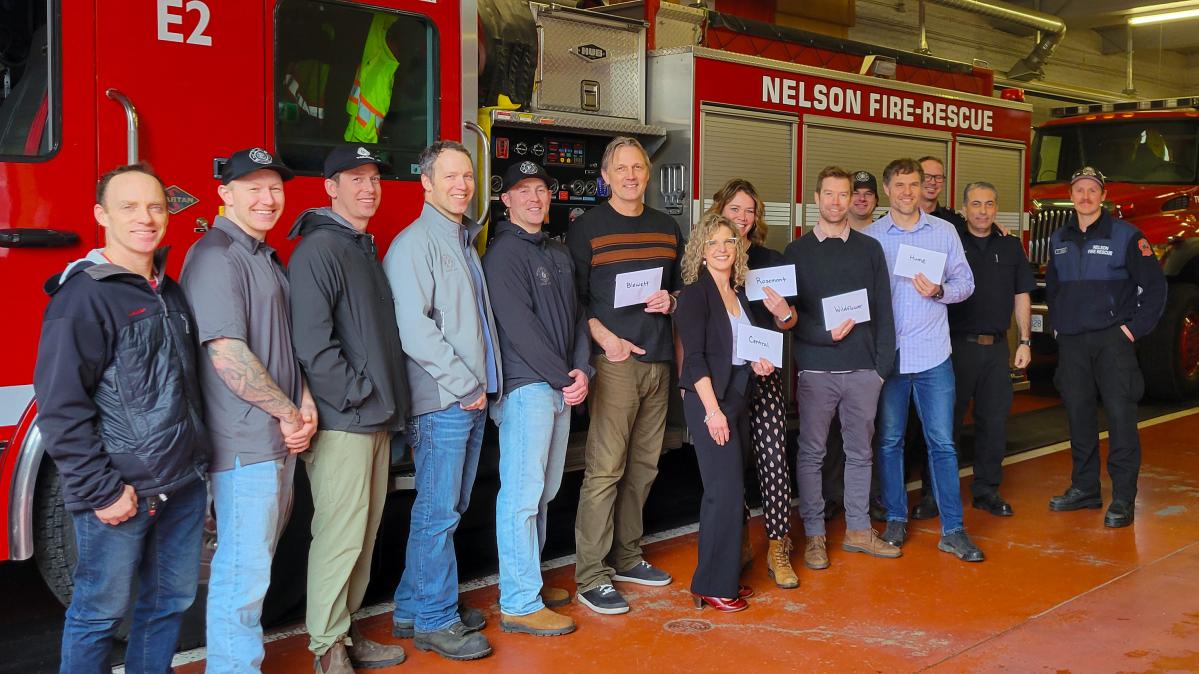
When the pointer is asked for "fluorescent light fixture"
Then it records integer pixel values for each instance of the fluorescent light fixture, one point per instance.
(1162, 18)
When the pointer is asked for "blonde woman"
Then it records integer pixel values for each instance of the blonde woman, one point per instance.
(715, 384)
(740, 204)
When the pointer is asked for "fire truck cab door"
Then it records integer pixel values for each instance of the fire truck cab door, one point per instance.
(195, 72)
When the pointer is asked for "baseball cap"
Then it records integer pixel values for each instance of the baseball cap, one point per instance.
(525, 169)
(348, 156)
(245, 162)
(1089, 172)
(865, 179)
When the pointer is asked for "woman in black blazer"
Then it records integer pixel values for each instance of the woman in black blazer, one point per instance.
(715, 384)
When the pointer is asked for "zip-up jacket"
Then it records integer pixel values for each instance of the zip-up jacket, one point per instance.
(1092, 279)
(344, 326)
(542, 331)
(437, 311)
(116, 384)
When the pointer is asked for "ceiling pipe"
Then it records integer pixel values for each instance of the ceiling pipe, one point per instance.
(1051, 28)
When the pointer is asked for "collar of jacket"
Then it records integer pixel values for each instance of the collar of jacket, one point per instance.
(239, 235)
(322, 217)
(1102, 225)
(438, 222)
(508, 227)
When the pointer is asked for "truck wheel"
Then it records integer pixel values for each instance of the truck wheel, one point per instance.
(1169, 356)
(53, 536)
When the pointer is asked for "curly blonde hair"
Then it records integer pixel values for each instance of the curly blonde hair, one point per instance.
(693, 255)
(757, 233)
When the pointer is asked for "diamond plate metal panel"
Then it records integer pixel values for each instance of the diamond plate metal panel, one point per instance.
(593, 66)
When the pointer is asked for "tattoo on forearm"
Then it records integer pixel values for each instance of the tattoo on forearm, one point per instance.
(245, 375)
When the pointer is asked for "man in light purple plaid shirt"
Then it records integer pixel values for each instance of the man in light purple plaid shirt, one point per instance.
(923, 369)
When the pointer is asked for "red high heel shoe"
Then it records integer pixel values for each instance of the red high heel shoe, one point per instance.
(720, 604)
(745, 591)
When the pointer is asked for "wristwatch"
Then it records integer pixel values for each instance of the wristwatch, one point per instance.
(1026, 342)
(784, 319)
(940, 293)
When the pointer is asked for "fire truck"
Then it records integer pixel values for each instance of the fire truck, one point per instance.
(1149, 152)
(180, 84)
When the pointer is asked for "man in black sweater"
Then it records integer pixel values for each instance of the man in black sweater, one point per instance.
(842, 365)
(545, 348)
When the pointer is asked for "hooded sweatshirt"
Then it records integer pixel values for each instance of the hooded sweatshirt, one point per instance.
(543, 332)
(344, 326)
(116, 383)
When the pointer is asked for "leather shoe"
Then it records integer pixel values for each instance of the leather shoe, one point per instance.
(720, 604)
(926, 509)
(993, 504)
(896, 533)
(1075, 499)
(1119, 514)
(745, 591)
(959, 545)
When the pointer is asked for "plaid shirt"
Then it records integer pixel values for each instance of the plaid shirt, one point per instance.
(922, 323)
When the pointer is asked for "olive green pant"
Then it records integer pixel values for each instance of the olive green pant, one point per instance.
(349, 473)
(628, 402)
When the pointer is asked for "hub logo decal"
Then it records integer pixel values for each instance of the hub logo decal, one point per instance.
(591, 52)
(178, 199)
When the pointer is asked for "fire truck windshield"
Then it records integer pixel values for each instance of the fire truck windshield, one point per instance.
(1150, 151)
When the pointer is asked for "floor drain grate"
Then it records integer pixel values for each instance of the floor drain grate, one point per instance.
(688, 626)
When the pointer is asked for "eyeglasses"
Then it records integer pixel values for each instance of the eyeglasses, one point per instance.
(712, 243)
(933, 178)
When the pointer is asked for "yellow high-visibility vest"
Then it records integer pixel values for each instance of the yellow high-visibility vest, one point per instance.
(371, 96)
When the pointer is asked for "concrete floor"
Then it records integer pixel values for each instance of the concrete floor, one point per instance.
(1058, 593)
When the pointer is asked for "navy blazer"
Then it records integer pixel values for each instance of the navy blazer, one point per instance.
(706, 335)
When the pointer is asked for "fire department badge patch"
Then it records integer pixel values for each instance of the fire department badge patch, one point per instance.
(543, 276)
(528, 168)
(1146, 251)
(178, 199)
(260, 156)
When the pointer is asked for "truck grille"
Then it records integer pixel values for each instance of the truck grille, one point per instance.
(1042, 224)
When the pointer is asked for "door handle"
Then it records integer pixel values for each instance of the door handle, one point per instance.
(483, 180)
(130, 123)
(29, 237)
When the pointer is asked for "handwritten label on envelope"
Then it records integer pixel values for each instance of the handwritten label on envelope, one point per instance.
(911, 260)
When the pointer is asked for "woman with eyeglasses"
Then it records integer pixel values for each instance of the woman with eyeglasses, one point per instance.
(739, 203)
(715, 382)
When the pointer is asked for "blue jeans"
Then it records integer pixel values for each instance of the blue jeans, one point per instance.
(534, 423)
(446, 447)
(162, 553)
(252, 502)
(933, 392)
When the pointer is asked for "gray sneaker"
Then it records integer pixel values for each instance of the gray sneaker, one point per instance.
(472, 618)
(456, 642)
(604, 599)
(643, 573)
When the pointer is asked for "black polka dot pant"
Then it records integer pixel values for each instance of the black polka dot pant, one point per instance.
(768, 419)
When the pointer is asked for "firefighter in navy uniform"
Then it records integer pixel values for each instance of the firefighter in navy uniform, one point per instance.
(1105, 290)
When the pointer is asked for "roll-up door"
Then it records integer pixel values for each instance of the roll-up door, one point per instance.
(864, 148)
(758, 147)
(1002, 165)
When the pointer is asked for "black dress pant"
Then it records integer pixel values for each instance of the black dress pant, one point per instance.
(1103, 362)
(982, 375)
(720, 467)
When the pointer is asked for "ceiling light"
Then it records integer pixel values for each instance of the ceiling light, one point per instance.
(1162, 18)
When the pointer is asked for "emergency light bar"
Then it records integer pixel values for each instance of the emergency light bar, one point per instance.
(1126, 106)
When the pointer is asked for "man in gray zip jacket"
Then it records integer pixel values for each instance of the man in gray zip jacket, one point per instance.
(448, 334)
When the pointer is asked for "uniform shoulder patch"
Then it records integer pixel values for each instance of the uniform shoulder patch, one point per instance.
(1146, 250)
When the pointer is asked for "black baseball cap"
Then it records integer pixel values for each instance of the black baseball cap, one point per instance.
(865, 179)
(351, 155)
(1089, 172)
(522, 170)
(245, 162)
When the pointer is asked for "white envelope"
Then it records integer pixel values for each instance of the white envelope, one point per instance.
(635, 287)
(911, 260)
(854, 304)
(754, 343)
(780, 279)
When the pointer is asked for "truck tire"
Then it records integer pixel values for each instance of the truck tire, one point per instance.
(1169, 356)
(53, 536)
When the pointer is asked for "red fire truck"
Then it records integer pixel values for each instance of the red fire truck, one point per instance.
(1149, 152)
(182, 83)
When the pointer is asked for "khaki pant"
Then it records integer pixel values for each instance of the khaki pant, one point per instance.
(349, 473)
(628, 403)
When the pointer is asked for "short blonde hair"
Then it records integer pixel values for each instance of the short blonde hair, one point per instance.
(693, 255)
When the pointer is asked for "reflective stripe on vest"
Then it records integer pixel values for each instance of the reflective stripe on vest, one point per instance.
(294, 87)
(370, 98)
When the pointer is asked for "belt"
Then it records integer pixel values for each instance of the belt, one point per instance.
(984, 339)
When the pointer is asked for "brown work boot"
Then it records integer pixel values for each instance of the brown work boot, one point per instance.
(747, 550)
(334, 661)
(367, 654)
(867, 541)
(814, 555)
(542, 623)
(778, 563)
(553, 597)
